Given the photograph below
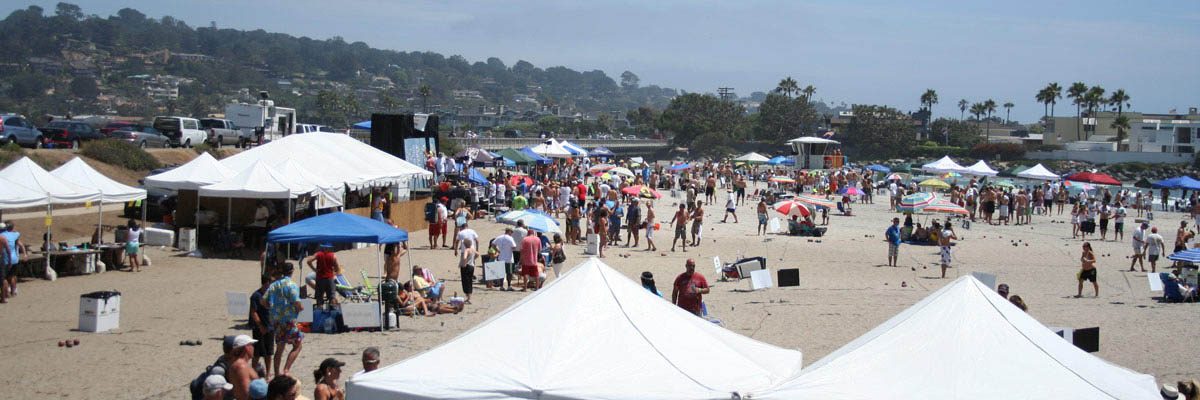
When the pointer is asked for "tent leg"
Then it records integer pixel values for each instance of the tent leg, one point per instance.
(379, 293)
(50, 273)
(228, 213)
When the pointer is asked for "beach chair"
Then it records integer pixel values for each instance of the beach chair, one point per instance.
(351, 293)
(1172, 292)
(368, 290)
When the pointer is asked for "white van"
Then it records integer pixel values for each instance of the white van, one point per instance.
(180, 131)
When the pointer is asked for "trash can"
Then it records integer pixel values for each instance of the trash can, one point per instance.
(99, 311)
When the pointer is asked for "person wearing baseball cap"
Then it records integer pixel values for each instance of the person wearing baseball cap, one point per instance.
(241, 370)
(215, 387)
(689, 289)
(327, 376)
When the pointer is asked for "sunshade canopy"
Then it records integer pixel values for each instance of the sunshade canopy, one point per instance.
(1179, 182)
(80, 173)
(752, 157)
(980, 168)
(337, 227)
(258, 181)
(16, 196)
(601, 152)
(599, 335)
(551, 149)
(342, 159)
(944, 165)
(1038, 172)
(1093, 177)
(201, 171)
(26, 173)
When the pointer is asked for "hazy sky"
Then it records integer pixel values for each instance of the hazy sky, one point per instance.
(877, 52)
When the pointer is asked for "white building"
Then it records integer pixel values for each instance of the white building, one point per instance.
(1164, 135)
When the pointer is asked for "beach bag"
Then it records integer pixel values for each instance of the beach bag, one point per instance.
(558, 256)
(196, 387)
(430, 213)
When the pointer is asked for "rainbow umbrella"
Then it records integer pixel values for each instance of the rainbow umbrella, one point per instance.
(946, 207)
(915, 202)
(782, 179)
(792, 207)
(815, 201)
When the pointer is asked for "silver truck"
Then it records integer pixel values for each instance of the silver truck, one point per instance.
(222, 132)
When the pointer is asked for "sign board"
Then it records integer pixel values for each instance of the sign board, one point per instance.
(718, 268)
(988, 280)
(761, 279)
(493, 271)
(237, 304)
(789, 277)
(306, 315)
(1155, 282)
(774, 225)
(361, 315)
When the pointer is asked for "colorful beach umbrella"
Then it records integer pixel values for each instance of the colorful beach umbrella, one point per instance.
(934, 183)
(1005, 184)
(517, 179)
(1094, 177)
(951, 175)
(792, 207)
(601, 168)
(895, 177)
(535, 220)
(782, 179)
(1190, 255)
(850, 191)
(621, 171)
(946, 207)
(678, 167)
(915, 202)
(641, 191)
(815, 201)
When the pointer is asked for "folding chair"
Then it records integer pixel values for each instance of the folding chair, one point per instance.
(350, 293)
(368, 290)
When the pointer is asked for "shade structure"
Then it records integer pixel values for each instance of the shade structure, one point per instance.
(516, 156)
(476, 177)
(753, 158)
(331, 193)
(946, 207)
(879, 168)
(850, 191)
(16, 196)
(621, 171)
(258, 181)
(575, 151)
(26, 173)
(365, 125)
(475, 155)
(341, 159)
(642, 191)
(792, 207)
(812, 140)
(599, 335)
(1093, 177)
(536, 221)
(963, 341)
(550, 149)
(1189, 255)
(1039, 172)
(600, 168)
(815, 201)
(1013, 171)
(915, 202)
(895, 177)
(1179, 182)
(1005, 184)
(944, 165)
(517, 179)
(537, 158)
(201, 171)
(80, 173)
(338, 227)
(601, 152)
(934, 183)
(980, 168)
(781, 160)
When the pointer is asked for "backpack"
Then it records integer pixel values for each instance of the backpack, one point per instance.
(196, 387)
(430, 212)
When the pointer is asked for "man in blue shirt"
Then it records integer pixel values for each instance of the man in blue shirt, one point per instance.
(893, 240)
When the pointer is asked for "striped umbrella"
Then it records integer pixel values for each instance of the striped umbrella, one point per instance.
(915, 202)
(815, 201)
(1191, 255)
(792, 207)
(621, 171)
(782, 179)
(946, 207)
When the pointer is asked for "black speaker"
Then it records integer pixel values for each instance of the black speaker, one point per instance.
(1087, 339)
(789, 277)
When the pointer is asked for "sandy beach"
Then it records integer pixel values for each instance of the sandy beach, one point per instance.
(845, 290)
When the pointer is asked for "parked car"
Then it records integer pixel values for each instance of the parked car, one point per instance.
(158, 202)
(141, 135)
(222, 132)
(17, 128)
(114, 126)
(181, 131)
(69, 134)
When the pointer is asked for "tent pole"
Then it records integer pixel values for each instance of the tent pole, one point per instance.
(197, 222)
(50, 216)
(228, 213)
(379, 293)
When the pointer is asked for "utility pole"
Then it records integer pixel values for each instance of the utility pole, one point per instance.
(725, 93)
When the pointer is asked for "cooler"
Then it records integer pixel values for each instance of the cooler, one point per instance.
(99, 311)
(158, 237)
(187, 239)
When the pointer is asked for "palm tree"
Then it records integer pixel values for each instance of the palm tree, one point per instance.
(989, 107)
(1120, 100)
(1121, 124)
(808, 91)
(1075, 93)
(425, 91)
(787, 86)
(1092, 100)
(1043, 96)
(1007, 112)
(962, 108)
(1053, 92)
(928, 99)
(978, 110)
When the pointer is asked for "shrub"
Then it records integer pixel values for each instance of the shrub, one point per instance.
(939, 151)
(998, 151)
(10, 152)
(206, 148)
(120, 153)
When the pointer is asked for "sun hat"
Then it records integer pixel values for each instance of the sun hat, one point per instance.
(1170, 393)
(214, 383)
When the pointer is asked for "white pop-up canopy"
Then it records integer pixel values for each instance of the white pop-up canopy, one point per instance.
(964, 341)
(16, 196)
(331, 193)
(1038, 172)
(980, 168)
(752, 157)
(335, 158)
(25, 172)
(201, 171)
(552, 149)
(80, 173)
(592, 334)
(942, 166)
(575, 150)
(258, 181)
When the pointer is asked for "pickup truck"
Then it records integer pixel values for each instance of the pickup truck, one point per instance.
(181, 131)
(222, 132)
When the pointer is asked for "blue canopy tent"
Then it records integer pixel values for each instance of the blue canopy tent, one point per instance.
(781, 160)
(1190, 255)
(602, 152)
(1179, 182)
(537, 158)
(341, 227)
(879, 168)
(477, 177)
(363, 125)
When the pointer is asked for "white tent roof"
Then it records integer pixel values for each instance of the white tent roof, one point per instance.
(258, 181)
(571, 146)
(980, 168)
(25, 172)
(331, 194)
(551, 148)
(753, 157)
(336, 158)
(812, 140)
(963, 342)
(201, 171)
(80, 173)
(943, 165)
(1039, 172)
(16, 196)
(592, 334)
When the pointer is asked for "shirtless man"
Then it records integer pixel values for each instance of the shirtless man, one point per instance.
(697, 223)
(1022, 208)
(241, 372)
(710, 188)
(762, 217)
(680, 221)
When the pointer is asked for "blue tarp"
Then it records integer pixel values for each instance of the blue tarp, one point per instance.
(363, 125)
(1179, 182)
(601, 152)
(477, 177)
(879, 168)
(337, 227)
(529, 152)
(781, 160)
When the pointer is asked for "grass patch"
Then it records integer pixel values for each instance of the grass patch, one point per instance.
(215, 152)
(119, 153)
(10, 153)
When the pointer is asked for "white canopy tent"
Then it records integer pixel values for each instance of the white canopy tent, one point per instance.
(16, 196)
(201, 171)
(331, 194)
(572, 147)
(813, 140)
(980, 168)
(258, 181)
(1039, 172)
(335, 158)
(26, 173)
(943, 165)
(80, 173)
(964, 341)
(591, 334)
(752, 157)
(551, 148)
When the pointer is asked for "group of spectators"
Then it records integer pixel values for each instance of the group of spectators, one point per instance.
(237, 374)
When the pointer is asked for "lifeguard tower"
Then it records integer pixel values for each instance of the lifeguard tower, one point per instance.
(817, 153)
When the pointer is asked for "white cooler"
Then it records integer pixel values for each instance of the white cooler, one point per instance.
(187, 239)
(158, 237)
(99, 311)
(593, 244)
